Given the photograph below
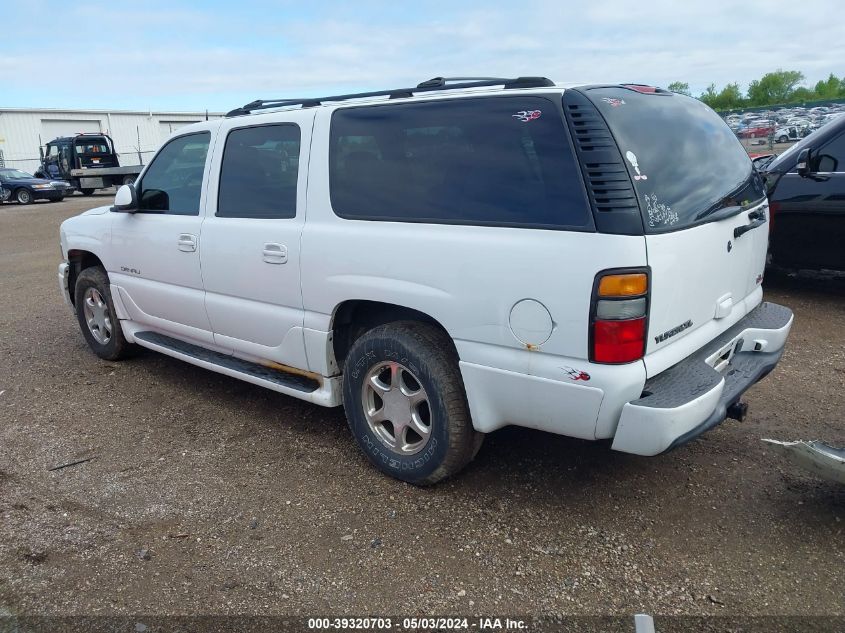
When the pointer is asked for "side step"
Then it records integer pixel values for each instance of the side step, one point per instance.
(227, 364)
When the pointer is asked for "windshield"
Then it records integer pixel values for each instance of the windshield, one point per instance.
(15, 174)
(685, 162)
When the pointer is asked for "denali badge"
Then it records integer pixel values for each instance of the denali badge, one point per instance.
(675, 330)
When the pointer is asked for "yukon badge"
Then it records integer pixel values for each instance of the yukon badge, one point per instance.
(675, 330)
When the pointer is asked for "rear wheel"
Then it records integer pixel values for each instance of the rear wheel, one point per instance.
(87, 192)
(128, 180)
(23, 196)
(405, 402)
(96, 315)
(783, 139)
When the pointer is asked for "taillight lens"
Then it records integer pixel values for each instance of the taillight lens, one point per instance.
(618, 341)
(619, 316)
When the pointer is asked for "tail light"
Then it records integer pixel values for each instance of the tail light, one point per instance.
(619, 316)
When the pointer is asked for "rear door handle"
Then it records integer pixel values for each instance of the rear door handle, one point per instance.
(187, 242)
(758, 219)
(275, 253)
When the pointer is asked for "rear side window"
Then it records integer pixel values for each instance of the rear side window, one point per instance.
(259, 172)
(497, 161)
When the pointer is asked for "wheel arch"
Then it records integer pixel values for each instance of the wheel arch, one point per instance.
(354, 317)
(79, 260)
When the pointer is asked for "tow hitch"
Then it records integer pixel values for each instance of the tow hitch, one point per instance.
(737, 411)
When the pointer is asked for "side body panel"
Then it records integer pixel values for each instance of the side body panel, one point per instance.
(469, 278)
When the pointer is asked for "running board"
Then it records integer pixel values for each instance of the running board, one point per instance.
(324, 391)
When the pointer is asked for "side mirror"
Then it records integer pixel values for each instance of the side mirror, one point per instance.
(803, 164)
(126, 199)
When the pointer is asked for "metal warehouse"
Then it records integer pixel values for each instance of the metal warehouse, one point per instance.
(137, 135)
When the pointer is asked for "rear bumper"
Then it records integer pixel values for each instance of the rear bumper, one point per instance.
(692, 396)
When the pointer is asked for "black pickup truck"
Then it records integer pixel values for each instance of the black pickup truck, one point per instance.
(87, 161)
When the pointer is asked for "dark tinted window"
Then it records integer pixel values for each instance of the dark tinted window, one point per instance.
(684, 161)
(258, 176)
(503, 160)
(831, 157)
(173, 182)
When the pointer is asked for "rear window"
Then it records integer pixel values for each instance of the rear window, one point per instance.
(684, 161)
(93, 146)
(495, 161)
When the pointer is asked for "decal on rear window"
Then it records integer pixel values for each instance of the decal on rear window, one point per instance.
(527, 115)
(632, 158)
(613, 101)
(659, 214)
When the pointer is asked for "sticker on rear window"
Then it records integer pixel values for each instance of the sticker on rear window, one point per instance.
(632, 158)
(659, 214)
(527, 115)
(613, 101)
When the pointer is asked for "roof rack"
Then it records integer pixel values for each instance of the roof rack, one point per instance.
(435, 84)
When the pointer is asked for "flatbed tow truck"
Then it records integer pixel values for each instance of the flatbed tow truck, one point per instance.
(87, 161)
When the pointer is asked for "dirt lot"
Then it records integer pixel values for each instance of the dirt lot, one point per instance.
(206, 495)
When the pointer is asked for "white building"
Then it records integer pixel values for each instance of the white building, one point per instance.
(22, 130)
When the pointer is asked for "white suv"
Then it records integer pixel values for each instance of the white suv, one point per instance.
(449, 259)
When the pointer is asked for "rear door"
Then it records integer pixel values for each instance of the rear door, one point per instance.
(251, 236)
(704, 213)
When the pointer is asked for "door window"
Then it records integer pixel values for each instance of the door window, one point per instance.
(173, 182)
(259, 172)
(831, 157)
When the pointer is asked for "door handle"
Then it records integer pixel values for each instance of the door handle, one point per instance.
(275, 253)
(187, 242)
(758, 218)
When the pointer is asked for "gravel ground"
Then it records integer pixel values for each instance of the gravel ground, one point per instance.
(206, 495)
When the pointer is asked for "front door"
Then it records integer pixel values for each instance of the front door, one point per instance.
(251, 238)
(156, 250)
(810, 217)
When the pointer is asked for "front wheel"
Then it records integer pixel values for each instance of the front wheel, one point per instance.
(783, 139)
(23, 196)
(87, 192)
(405, 402)
(96, 315)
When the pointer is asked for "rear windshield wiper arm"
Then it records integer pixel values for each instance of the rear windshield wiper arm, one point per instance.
(723, 212)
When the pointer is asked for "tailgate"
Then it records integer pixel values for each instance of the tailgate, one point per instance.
(704, 216)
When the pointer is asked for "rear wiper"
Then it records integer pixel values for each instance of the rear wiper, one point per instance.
(723, 212)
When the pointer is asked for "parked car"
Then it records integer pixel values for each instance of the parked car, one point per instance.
(790, 133)
(25, 188)
(448, 259)
(806, 188)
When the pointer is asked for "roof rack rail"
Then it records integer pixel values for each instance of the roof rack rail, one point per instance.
(435, 84)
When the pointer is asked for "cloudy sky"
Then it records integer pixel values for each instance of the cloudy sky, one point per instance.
(217, 55)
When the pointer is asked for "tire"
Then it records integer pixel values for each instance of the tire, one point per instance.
(57, 199)
(87, 192)
(783, 139)
(418, 359)
(93, 301)
(23, 196)
(129, 180)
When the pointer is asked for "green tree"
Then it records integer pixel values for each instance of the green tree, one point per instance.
(831, 88)
(727, 98)
(709, 96)
(772, 88)
(681, 87)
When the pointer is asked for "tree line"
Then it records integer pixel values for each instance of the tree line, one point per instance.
(775, 88)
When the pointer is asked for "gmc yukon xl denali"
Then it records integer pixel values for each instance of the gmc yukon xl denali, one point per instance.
(448, 259)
